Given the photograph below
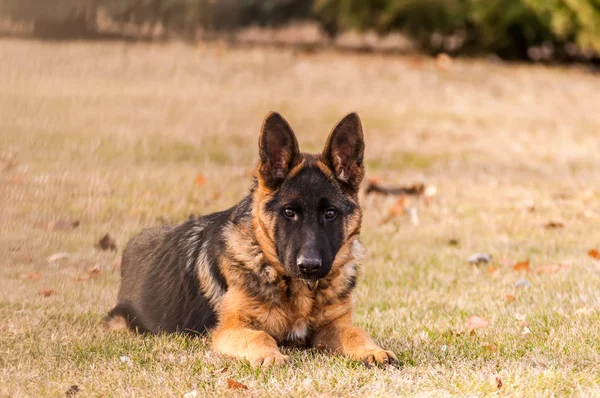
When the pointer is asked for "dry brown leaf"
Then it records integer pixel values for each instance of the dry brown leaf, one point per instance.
(490, 347)
(594, 254)
(554, 225)
(47, 292)
(552, 268)
(72, 391)
(200, 180)
(399, 208)
(521, 266)
(106, 243)
(32, 276)
(92, 274)
(475, 322)
(220, 370)
(510, 298)
(494, 271)
(374, 180)
(498, 382)
(236, 385)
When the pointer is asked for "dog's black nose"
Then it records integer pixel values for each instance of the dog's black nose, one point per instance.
(309, 265)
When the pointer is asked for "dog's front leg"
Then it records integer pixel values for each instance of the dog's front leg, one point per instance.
(340, 336)
(256, 346)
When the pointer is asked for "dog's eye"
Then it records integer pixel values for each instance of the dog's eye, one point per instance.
(289, 212)
(330, 214)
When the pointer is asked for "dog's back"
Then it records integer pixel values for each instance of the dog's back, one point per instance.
(160, 290)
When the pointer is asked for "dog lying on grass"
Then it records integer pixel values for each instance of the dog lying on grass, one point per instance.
(278, 268)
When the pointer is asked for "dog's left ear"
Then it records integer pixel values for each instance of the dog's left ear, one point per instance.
(278, 150)
(344, 151)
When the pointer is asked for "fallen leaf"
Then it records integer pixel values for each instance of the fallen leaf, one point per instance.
(521, 266)
(74, 389)
(200, 179)
(523, 283)
(552, 268)
(594, 253)
(399, 207)
(92, 274)
(563, 196)
(220, 370)
(374, 181)
(236, 385)
(190, 394)
(480, 258)
(494, 271)
(32, 276)
(490, 347)
(47, 292)
(106, 243)
(510, 298)
(554, 225)
(498, 382)
(475, 322)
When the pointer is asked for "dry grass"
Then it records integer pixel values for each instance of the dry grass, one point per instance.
(114, 135)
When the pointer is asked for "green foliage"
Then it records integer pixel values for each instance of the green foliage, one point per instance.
(507, 27)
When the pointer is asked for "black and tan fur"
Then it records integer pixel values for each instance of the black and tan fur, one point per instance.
(278, 268)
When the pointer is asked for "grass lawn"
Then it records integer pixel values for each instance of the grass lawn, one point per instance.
(121, 136)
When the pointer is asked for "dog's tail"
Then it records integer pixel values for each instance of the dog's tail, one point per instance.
(124, 317)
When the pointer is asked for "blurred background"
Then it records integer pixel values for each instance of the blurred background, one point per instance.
(481, 197)
(538, 30)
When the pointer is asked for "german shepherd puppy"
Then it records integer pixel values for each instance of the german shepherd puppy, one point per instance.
(278, 268)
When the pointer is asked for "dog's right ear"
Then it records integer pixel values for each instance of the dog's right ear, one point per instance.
(278, 150)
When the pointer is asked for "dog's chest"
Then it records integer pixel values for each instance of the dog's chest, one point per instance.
(302, 315)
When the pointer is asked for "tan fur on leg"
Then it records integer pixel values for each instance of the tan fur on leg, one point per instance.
(342, 337)
(254, 345)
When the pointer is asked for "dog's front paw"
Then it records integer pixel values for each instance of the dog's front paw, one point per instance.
(378, 357)
(270, 359)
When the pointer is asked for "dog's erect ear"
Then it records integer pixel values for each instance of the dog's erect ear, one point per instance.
(344, 151)
(278, 150)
